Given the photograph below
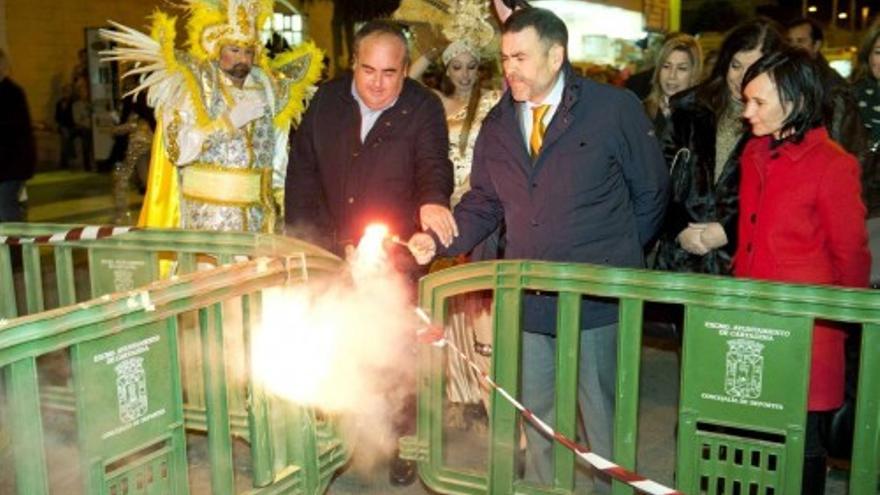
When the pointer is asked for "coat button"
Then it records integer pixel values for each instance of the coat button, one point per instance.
(749, 247)
(350, 199)
(355, 154)
(753, 218)
(534, 223)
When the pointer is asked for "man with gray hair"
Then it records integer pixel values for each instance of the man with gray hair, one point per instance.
(17, 149)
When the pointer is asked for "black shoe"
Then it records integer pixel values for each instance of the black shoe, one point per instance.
(401, 472)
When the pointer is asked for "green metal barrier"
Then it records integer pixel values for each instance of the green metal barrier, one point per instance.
(745, 372)
(85, 269)
(131, 358)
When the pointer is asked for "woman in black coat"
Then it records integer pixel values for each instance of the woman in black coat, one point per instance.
(708, 135)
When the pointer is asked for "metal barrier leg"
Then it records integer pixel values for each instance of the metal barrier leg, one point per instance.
(629, 354)
(567, 345)
(217, 410)
(64, 276)
(866, 444)
(33, 281)
(257, 405)
(505, 356)
(8, 307)
(26, 427)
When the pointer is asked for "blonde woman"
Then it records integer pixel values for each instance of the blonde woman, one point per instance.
(679, 66)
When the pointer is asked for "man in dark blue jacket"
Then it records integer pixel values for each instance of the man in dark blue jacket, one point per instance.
(573, 169)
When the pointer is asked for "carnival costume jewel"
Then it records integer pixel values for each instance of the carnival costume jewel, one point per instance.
(469, 30)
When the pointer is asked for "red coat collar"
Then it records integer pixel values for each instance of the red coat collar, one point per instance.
(760, 147)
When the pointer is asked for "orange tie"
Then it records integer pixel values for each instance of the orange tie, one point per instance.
(538, 128)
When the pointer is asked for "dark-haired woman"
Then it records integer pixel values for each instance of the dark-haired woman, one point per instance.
(866, 82)
(802, 219)
(708, 135)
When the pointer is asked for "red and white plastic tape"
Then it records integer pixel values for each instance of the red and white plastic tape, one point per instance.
(434, 335)
(87, 233)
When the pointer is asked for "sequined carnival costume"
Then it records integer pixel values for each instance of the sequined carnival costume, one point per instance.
(209, 170)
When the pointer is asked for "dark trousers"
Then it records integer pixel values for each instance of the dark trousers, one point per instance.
(67, 138)
(813, 478)
(85, 136)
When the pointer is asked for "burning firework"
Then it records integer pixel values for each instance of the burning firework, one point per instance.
(346, 346)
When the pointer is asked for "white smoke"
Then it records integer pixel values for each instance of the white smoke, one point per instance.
(345, 346)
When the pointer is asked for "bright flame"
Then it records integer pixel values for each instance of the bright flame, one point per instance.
(371, 247)
(370, 258)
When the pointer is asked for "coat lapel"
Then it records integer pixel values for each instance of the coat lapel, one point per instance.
(512, 137)
(562, 118)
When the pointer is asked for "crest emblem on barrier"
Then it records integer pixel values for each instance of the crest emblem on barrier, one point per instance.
(745, 369)
(131, 389)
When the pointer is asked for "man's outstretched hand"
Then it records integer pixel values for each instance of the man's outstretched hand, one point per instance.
(422, 247)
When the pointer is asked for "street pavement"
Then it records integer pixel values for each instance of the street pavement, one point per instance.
(75, 197)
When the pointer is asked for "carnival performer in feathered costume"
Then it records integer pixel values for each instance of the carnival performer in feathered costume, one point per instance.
(224, 111)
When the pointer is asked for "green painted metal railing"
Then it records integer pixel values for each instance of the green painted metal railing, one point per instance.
(131, 358)
(745, 372)
(82, 270)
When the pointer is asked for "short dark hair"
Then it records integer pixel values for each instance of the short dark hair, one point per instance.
(381, 26)
(550, 28)
(798, 80)
(816, 33)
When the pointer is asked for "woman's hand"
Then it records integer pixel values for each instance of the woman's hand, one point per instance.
(690, 240)
(712, 234)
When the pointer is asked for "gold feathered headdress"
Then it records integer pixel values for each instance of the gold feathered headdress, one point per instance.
(212, 24)
(470, 30)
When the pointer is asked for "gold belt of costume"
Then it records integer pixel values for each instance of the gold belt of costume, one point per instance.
(221, 185)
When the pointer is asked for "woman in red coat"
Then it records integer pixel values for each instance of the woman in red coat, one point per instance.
(802, 219)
